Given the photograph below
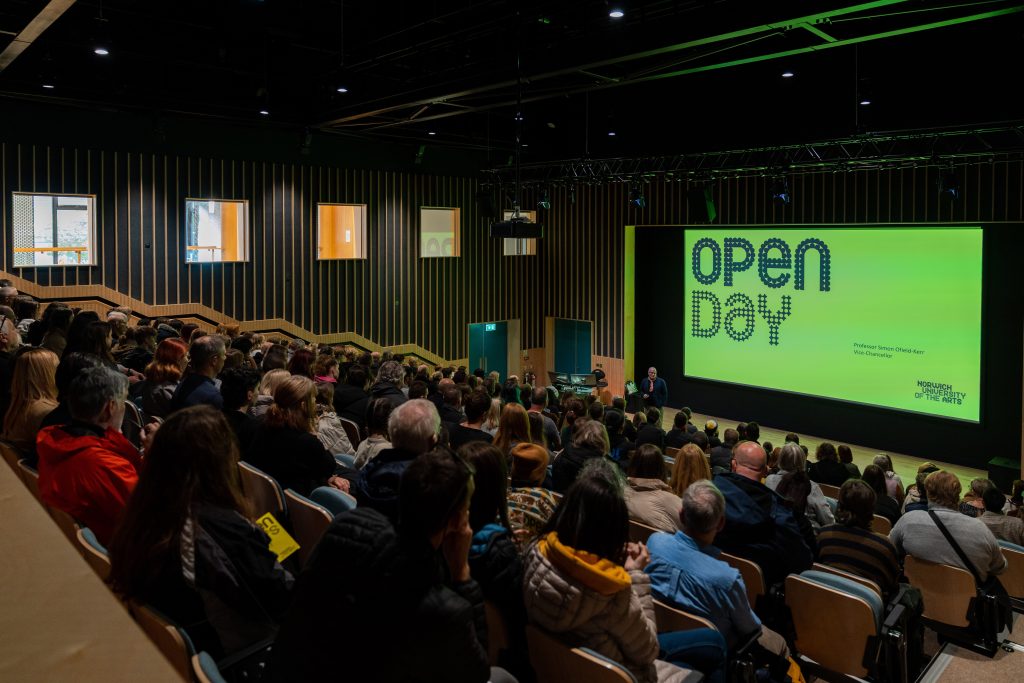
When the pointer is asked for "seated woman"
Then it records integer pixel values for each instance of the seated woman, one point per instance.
(584, 582)
(265, 398)
(187, 544)
(793, 459)
(795, 487)
(328, 427)
(893, 483)
(286, 446)
(846, 458)
(589, 441)
(530, 500)
(973, 504)
(494, 560)
(850, 544)
(649, 499)
(33, 397)
(885, 505)
(377, 414)
(916, 498)
(162, 376)
(513, 428)
(827, 469)
(691, 465)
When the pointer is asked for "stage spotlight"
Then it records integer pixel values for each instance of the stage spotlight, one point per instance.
(780, 190)
(949, 185)
(636, 197)
(545, 200)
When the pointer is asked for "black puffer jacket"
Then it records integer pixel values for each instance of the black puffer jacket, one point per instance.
(568, 465)
(390, 392)
(386, 601)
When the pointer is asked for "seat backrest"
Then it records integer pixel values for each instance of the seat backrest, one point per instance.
(309, 522)
(1013, 578)
(132, 425)
(753, 577)
(31, 478)
(671, 452)
(946, 590)
(173, 643)
(832, 626)
(829, 491)
(497, 632)
(351, 431)
(262, 490)
(205, 670)
(640, 532)
(335, 500)
(669, 618)
(867, 583)
(65, 522)
(881, 525)
(94, 553)
(555, 662)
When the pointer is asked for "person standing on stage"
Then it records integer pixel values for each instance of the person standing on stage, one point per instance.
(654, 389)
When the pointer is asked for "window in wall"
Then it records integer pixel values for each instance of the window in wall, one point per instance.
(53, 229)
(341, 231)
(439, 231)
(520, 246)
(216, 230)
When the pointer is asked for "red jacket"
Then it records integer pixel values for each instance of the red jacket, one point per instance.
(87, 473)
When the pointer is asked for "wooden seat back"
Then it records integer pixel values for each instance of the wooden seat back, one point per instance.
(351, 431)
(309, 522)
(829, 491)
(262, 491)
(93, 554)
(867, 583)
(640, 532)
(881, 525)
(1013, 578)
(753, 577)
(669, 618)
(555, 662)
(947, 591)
(167, 637)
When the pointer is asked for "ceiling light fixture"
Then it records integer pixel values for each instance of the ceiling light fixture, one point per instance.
(616, 13)
(787, 74)
(48, 86)
(611, 133)
(101, 51)
(342, 89)
(865, 103)
(430, 132)
(264, 112)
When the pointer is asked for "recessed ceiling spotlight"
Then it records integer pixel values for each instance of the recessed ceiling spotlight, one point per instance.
(611, 133)
(787, 74)
(616, 13)
(264, 112)
(342, 89)
(865, 103)
(551, 124)
(430, 132)
(101, 51)
(48, 86)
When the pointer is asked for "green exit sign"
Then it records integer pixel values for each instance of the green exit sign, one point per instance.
(490, 327)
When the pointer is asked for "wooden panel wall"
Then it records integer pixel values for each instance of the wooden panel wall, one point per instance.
(392, 298)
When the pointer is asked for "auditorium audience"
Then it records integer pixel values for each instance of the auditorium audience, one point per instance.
(420, 620)
(389, 383)
(758, 524)
(301, 363)
(285, 445)
(378, 413)
(721, 456)
(585, 582)
(885, 505)
(827, 469)
(350, 398)
(33, 396)
(846, 458)
(530, 500)
(792, 459)
(1003, 527)
(795, 489)
(686, 573)
(55, 333)
(851, 546)
(589, 441)
(620, 448)
(450, 409)
(162, 376)
(477, 403)
(649, 499)
(414, 428)
(238, 388)
(678, 436)
(188, 546)
(691, 465)
(265, 398)
(199, 385)
(651, 432)
(893, 483)
(916, 498)
(538, 404)
(87, 468)
(917, 532)
(325, 367)
(514, 428)
(972, 504)
(572, 410)
(328, 426)
(753, 432)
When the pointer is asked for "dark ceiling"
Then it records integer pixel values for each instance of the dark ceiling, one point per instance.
(398, 60)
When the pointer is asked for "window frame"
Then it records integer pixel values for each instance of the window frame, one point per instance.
(362, 227)
(457, 239)
(246, 232)
(91, 245)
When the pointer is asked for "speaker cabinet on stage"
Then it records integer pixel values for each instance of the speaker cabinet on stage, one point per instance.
(1002, 472)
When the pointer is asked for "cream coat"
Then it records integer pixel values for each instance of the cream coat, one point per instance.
(652, 502)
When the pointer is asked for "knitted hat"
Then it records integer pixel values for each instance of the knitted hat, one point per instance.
(529, 462)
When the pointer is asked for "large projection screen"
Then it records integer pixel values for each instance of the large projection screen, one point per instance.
(884, 316)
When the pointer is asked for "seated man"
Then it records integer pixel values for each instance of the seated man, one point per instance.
(685, 571)
(86, 467)
(1003, 527)
(721, 456)
(199, 387)
(759, 524)
(917, 534)
(471, 428)
(678, 436)
(401, 599)
(538, 403)
(414, 427)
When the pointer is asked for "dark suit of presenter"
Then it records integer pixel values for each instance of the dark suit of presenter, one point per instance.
(657, 391)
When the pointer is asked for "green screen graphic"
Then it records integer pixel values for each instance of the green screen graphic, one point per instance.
(885, 316)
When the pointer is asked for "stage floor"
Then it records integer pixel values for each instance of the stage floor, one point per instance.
(905, 465)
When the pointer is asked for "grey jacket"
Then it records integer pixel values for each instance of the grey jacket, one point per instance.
(916, 534)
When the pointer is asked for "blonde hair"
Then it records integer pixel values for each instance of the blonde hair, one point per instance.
(35, 371)
(271, 380)
(493, 414)
(691, 465)
(513, 426)
(294, 404)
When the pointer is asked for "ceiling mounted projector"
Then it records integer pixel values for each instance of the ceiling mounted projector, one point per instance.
(518, 227)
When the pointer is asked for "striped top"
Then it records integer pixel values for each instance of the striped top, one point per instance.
(860, 552)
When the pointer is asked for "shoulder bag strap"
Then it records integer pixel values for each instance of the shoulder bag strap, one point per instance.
(956, 547)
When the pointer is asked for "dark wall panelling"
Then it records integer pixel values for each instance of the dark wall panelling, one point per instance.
(392, 298)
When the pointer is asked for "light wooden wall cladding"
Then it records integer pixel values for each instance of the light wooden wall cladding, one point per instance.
(392, 298)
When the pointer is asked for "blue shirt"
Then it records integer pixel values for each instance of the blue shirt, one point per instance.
(693, 579)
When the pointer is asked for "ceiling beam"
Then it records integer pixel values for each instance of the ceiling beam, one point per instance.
(42, 21)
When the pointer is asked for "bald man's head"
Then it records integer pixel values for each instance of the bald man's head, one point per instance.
(749, 460)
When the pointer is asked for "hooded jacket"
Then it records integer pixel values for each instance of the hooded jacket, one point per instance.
(88, 472)
(389, 601)
(652, 502)
(592, 602)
